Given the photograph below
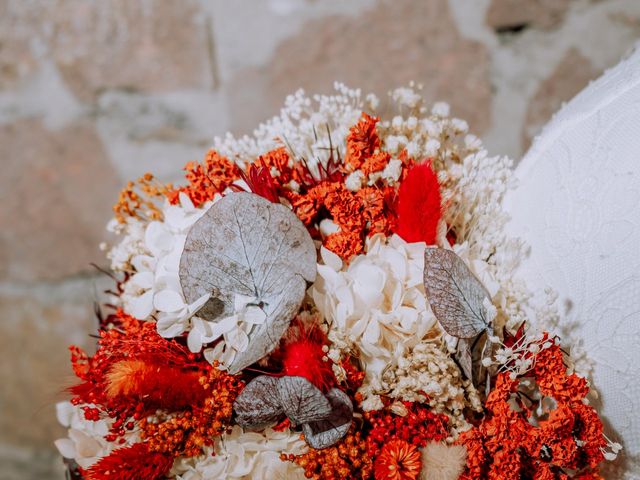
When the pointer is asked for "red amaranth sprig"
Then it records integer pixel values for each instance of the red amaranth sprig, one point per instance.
(418, 426)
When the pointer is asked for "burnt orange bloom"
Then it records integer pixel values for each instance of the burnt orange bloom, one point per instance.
(362, 142)
(507, 444)
(398, 460)
(206, 179)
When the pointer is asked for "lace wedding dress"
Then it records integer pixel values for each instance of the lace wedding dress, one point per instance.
(578, 207)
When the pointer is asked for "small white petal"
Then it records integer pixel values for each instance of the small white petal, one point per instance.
(143, 280)
(330, 259)
(223, 326)
(66, 447)
(194, 341)
(142, 306)
(237, 339)
(168, 301)
(254, 315)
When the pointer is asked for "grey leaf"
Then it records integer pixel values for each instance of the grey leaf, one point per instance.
(246, 245)
(463, 356)
(258, 405)
(302, 401)
(456, 296)
(324, 433)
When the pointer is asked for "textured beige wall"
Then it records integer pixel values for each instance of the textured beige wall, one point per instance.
(93, 93)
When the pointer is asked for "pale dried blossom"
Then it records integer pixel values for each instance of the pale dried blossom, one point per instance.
(85, 442)
(376, 303)
(429, 370)
(309, 126)
(442, 462)
(240, 455)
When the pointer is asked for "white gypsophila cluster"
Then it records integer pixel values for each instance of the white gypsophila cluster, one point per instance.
(426, 135)
(478, 217)
(309, 126)
(517, 359)
(85, 442)
(241, 455)
(428, 374)
(131, 243)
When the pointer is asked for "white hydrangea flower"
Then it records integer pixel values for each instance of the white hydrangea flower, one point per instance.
(85, 442)
(376, 302)
(242, 455)
(155, 287)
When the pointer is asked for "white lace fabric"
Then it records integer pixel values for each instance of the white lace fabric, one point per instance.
(578, 207)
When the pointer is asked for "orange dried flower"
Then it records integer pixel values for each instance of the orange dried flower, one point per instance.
(346, 459)
(362, 142)
(506, 444)
(189, 431)
(206, 179)
(398, 460)
(141, 199)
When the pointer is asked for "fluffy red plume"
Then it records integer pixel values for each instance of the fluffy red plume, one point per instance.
(419, 205)
(133, 462)
(303, 356)
(158, 385)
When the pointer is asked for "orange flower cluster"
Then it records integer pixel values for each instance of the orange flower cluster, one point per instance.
(346, 459)
(139, 199)
(398, 460)
(507, 445)
(206, 179)
(189, 431)
(357, 214)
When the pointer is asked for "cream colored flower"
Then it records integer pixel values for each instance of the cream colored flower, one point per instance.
(442, 462)
(376, 303)
(245, 455)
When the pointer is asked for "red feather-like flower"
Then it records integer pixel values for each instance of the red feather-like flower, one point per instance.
(133, 462)
(303, 355)
(419, 207)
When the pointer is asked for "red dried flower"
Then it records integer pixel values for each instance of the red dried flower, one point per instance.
(398, 460)
(419, 426)
(259, 180)
(506, 444)
(419, 206)
(303, 356)
(135, 461)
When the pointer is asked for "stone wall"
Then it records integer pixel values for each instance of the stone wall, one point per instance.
(93, 93)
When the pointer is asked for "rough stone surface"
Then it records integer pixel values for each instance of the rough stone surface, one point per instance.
(37, 325)
(52, 208)
(570, 76)
(101, 45)
(510, 14)
(385, 47)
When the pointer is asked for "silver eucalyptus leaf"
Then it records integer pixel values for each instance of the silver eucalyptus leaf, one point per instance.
(258, 405)
(324, 433)
(456, 296)
(464, 358)
(245, 245)
(302, 401)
